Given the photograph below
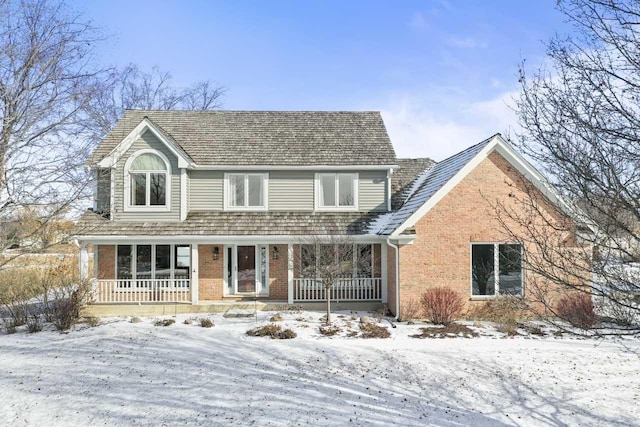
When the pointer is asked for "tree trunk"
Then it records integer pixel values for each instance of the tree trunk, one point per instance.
(328, 321)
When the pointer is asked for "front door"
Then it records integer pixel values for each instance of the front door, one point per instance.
(246, 256)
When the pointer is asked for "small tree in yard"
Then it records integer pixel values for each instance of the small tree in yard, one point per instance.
(327, 260)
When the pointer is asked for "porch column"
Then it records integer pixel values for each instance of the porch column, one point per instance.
(194, 273)
(290, 272)
(383, 271)
(84, 262)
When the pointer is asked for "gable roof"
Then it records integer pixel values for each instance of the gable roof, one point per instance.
(286, 138)
(433, 180)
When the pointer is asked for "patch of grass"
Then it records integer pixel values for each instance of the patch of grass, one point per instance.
(452, 330)
(272, 330)
(206, 323)
(329, 331)
(165, 322)
(371, 330)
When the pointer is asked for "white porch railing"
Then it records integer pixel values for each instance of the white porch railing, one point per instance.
(142, 290)
(361, 289)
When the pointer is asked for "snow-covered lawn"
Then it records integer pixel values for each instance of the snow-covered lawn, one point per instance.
(122, 373)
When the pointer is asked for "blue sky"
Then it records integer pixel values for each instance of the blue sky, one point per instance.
(440, 71)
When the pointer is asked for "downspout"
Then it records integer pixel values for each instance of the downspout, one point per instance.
(397, 251)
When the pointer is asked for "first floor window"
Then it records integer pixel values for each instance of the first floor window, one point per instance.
(496, 268)
(342, 260)
(246, 190)
(147, 262)
(337, 190)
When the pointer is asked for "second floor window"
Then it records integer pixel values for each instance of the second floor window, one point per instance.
(148, 182)
(337, 190)
(246, 191)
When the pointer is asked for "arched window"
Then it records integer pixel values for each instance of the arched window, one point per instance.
(148, 181)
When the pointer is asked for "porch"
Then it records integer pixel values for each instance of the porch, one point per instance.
(201, 274)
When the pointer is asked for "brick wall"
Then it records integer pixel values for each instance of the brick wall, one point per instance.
(440, 254)
(106, 262)
(210, 273)
(278, 273)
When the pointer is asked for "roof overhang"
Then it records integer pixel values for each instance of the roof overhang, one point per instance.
(145, 125)
(226, 239)
(295, 167)
(505, 149)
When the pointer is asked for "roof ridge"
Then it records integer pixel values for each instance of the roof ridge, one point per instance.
(139, 110)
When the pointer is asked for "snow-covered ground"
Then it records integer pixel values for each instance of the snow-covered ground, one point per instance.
(122, 373)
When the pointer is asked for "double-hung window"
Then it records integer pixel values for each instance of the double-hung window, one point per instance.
(147, 183)
(246, 191)
(337, 191)
(496, 268)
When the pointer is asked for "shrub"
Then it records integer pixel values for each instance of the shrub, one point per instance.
(371, 330)
(165, 322)
(410, 310)
(92, 321)
(329, 331)
(34, 324)
(64, 308)
(206, 323)
(505, 310)
(578, 310)
(273, 331)
(442, 305)
(9, 326)
(450, 331)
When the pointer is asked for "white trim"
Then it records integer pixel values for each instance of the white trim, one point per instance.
(183, 194)
(145, 125)
(286, 167)
(336, 208)
(265, 192)
(384, 272)
(84, 262)
(112, 194)
(290, 273)
(389, 174)
(194, 285)
(128, 207)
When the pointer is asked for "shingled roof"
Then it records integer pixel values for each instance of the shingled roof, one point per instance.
(279, 138)
(234, 223)
(404, 176)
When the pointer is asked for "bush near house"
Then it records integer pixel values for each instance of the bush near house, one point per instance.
(272, 330)
(577, 309)
(507, 311)
(442, 305)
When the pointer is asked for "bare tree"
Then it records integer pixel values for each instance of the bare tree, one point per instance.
(46, 70)
(581, 119)
(326, 262)
(131, 88)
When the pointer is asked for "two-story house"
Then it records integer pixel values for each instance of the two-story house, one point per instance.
(204, 207)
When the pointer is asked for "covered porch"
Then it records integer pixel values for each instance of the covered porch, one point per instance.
(203, 273)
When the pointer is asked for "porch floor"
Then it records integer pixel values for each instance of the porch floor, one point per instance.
(166, 309)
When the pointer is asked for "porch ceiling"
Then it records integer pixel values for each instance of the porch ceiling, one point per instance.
(234, 223)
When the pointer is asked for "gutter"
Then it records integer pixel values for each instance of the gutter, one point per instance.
(397, 251)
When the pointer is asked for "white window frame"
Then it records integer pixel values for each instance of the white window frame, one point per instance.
(128, 207)
(134, 266)
(496, 262)
(337, 207)
(265, 192)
